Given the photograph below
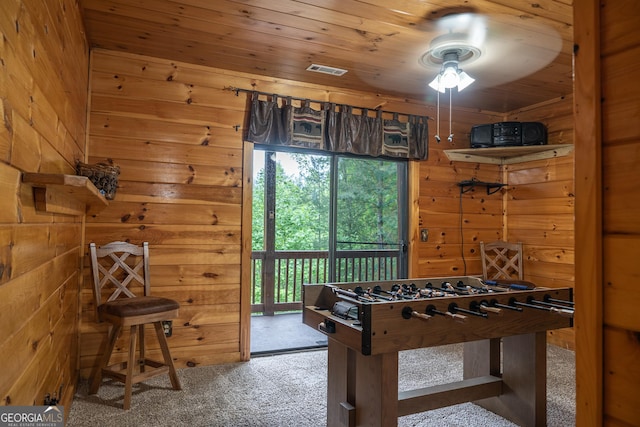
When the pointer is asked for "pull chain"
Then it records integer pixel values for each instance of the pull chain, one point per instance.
(450, 139)
(438, 116)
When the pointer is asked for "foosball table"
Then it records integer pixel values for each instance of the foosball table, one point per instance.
(502, 324)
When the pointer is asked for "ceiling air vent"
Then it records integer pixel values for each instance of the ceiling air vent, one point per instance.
(326, 70)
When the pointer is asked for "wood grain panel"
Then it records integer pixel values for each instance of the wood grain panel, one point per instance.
(617, 19)
(10, 179)
(620, 209)
(118, 128)
(184, 112)
(199, 153)
(549, 254)
(178, 173)
(186, 192)
(26, 294)
(551, 282)
(43, 87)
(168, 213)
(542, 222)
(190, 88)
(543, 206)
(621, 351)
(542, 171)
(540, 191)
(42, 374)
(620, 108)
(441, 237)
(621, 293)
(588, 175)
(5, 126)
(194, 274)
(539, 237)
(251, 38)
(474, 202)
(25, 149)
(28, 247)
(560, 271)
(33, 338)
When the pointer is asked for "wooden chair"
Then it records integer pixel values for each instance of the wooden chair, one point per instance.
(116, 268)
(501, 260)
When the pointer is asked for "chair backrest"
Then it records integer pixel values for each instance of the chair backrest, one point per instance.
(116, 266)
(501, 260)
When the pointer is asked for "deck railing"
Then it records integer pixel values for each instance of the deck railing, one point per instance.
(277, 286)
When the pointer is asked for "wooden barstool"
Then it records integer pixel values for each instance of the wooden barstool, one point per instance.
(116, 268)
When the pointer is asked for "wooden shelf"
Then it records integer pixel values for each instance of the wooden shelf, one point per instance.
(509, 155)
(65, 194)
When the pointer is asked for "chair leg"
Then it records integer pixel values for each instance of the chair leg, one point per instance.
(130, 368)
(104, 360)
(141, 345)
(162, 339)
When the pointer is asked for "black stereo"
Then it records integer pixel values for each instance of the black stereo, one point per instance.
(508, 134)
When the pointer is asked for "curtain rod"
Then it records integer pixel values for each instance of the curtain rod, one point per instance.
(237, 90)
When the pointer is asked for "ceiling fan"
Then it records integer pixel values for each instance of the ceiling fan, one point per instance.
(493, 49)
(485, 50)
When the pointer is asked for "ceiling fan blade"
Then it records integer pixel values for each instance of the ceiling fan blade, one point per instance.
(494, 49)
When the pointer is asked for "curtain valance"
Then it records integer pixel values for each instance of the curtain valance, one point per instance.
(336, 128)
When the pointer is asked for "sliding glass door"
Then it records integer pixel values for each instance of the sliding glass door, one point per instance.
(324, 218)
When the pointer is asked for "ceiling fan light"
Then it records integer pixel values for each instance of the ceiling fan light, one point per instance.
(465, 80)
(449, 77)
(435, 84)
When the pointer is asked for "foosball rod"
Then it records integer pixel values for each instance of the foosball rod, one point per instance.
(532, 300)
(409, 312)
(453, 308)
(350, 296)
(478, 289)
(561, 312)
(431, 311)
(484, 306)
(378, 289)
(447, 286)
(547, 297)
(495, 303)
(361, 292)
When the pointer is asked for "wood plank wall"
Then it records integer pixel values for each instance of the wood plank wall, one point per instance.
(171, 128)
(43, 94)
(620, 50)
(539, 206)
(453, 245)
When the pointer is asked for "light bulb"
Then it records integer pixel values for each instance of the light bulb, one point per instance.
(449, 77)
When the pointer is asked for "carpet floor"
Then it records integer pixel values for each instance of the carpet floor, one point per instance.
(289, 390)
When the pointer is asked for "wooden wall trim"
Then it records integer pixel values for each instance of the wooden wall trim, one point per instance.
(588, 215)
(414, 223)
(245, 275)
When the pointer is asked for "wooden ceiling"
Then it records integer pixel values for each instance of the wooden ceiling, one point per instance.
(379, 42)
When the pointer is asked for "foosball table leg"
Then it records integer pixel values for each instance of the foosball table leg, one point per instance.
(361, 390)
(524, 375)
(340, 409)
